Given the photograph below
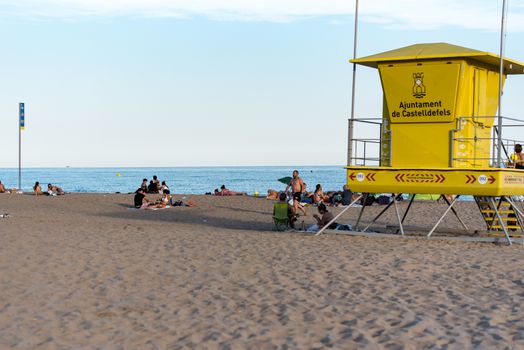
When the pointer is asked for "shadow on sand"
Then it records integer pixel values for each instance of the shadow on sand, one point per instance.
(188, 216)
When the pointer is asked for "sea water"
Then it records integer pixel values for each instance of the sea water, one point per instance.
(188, 180)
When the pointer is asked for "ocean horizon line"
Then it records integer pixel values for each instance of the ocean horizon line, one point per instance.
(178, 166)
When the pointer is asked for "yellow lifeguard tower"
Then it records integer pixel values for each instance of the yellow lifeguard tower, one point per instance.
(437, 131)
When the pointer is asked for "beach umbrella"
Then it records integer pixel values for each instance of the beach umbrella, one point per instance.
(285, 180)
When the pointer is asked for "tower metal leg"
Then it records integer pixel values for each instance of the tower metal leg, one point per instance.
(442, 217)
(398, 216)
(407, 211)
(336, 217)
(381, 212)
(456, 214)
(361, 210)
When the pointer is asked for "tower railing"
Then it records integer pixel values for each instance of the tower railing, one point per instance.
(369, 151)
(373, 147)
(477, 158)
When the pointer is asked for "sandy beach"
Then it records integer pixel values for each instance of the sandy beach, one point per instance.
(84, 271)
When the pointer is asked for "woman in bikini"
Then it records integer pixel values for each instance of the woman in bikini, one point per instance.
(37, 189)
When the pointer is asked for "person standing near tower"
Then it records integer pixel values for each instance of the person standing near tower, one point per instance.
(297, 187)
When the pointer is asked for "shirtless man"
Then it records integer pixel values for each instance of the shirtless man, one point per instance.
(297, 186)
(2, 187)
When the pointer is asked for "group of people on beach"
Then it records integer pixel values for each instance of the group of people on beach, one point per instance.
(318, 196)
(141, 201)
(295, 194)
(52, 190)
(154, 186)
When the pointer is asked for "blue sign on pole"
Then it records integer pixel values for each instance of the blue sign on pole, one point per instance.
(22, 115)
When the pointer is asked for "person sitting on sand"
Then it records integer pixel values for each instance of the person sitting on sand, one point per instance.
(2, 188)
(343, 197)
(318, 195)
(37, 190)
(163, 201)
(225, 192)
(517, 158)
(156, 182)
(325, 217)
(164, 188)
(347, 195)
(53, 189)
(282, 198)
(143, 186)
(141, 202)
(152, 188)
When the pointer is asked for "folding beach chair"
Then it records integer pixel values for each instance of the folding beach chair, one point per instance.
(280, 216)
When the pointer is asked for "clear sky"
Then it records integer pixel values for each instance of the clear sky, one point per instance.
(203, 82)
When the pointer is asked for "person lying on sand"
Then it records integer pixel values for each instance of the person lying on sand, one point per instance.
(6, 190)
(141, 202)
(37, 189)
(272, 194)
(53, 189)
(225, 192)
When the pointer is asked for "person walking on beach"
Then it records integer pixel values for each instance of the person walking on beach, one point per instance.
(297, 187)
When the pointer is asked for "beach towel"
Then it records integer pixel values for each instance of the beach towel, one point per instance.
(149, 208)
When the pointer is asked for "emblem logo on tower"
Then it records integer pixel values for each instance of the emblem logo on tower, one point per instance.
(419, 89)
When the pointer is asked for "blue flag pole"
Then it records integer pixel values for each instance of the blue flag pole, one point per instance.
(21, 126)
